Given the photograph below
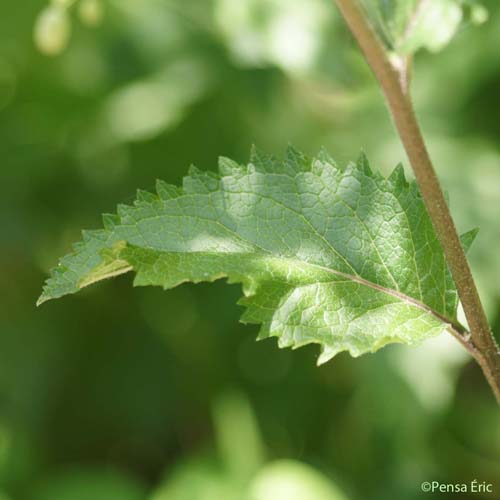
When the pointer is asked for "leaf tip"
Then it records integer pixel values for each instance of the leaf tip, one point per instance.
(397, 176)
(194, 171)
(467, 239)
(326, 354)
(264, 162)
(145, 196)
(166, 191)
(296, 160)
(43, 298)
(109, 221)
(227, 167)
(363, 164)
(325, 157)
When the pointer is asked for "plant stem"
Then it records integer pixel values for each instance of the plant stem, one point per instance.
(392, 78)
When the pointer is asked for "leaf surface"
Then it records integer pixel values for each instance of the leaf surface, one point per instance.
(341, 257)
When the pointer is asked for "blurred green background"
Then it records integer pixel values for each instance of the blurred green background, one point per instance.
(139, 394)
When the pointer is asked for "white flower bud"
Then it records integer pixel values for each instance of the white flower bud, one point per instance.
(52, 30)
(91, 12)
(479, 14)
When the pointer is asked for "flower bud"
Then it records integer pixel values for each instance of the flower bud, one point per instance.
(52, 30)
(90, 12)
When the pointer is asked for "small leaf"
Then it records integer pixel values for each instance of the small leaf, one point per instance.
(340, 257)
(434, 24)
(409, 25)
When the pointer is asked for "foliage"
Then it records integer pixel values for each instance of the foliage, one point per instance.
(121, 381)
(410, 25)
(340, 257)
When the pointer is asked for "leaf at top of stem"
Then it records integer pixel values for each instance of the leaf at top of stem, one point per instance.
(409, 25)
(338, 256)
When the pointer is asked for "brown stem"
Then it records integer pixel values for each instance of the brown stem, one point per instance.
(391, 80)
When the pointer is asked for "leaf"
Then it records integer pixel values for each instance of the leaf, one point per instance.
(409, 25)
(341, 257)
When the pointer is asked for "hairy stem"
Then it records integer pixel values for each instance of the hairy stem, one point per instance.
(392, 77)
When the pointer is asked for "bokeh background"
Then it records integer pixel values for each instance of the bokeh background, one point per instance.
(139, 394)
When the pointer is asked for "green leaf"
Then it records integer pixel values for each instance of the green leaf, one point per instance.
(340, 257)
(409, 25)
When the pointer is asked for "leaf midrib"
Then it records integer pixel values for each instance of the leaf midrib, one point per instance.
(355, 278)
(348, 277)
